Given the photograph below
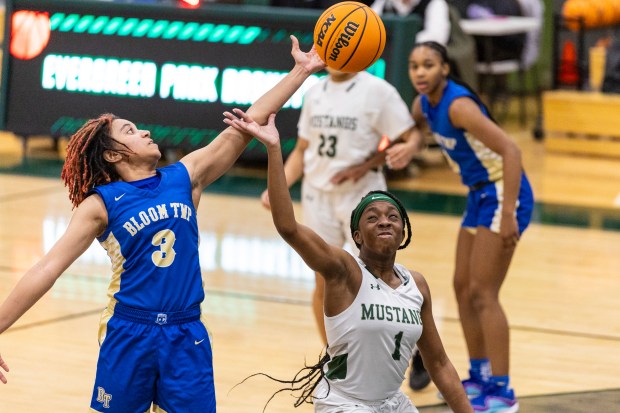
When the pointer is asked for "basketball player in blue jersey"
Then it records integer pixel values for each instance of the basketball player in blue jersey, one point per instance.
(499, 207)
(375, 310)
(154, 346)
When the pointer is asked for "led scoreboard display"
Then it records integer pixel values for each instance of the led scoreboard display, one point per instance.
(168, 69)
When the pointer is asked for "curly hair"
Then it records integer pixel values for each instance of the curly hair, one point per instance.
(85, 166)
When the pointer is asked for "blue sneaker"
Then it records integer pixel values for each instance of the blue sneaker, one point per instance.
(495, 399)
(473, 386)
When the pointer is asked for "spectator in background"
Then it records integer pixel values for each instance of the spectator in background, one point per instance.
(435, 15)
(504, 47)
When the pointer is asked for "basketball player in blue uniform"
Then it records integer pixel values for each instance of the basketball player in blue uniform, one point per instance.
(154, 347)
(499, 208)
(375, 310)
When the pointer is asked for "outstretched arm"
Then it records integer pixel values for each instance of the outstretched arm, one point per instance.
(87, 222)
(293, 168)
(330, 261)
(207, 164)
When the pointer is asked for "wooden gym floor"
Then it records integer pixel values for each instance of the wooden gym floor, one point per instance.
(561, 295)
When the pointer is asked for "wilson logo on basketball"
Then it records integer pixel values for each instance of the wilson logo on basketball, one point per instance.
(349, 36)
(328, 22)
(343, 41)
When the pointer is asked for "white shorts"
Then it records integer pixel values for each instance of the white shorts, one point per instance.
(337, 403)
(329, 213)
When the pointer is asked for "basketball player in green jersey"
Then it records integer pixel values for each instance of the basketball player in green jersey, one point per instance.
(375, 310)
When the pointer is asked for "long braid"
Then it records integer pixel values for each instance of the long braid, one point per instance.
(85, 166)
(305, 381)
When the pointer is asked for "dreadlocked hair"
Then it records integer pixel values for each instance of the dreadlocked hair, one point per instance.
(304, 383)
(443, 54)
(85, 166)
(356, 214)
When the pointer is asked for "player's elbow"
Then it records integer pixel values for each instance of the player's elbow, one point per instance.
(288, 231)
(512, 152)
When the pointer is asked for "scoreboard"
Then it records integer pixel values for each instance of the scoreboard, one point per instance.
(170, 70)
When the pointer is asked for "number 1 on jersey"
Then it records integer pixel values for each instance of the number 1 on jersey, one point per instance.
(397, 338)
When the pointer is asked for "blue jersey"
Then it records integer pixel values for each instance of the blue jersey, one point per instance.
(152, 241)
(468, 156)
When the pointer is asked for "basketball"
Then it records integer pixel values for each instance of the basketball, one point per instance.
(30, 32)
(349, 36)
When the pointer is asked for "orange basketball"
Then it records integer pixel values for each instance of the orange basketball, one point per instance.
(349, 36)
(30, 32)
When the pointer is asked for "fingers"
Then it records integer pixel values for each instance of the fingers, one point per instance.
(5, 367)
(272, 119)
(511, 241)
(295, 42)
(239, 120)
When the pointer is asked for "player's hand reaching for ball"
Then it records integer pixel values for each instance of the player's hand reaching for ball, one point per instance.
(5, 367)
(267, 134)
(309, 61)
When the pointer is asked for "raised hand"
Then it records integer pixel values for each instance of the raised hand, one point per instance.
(310, 61)
(241, 121)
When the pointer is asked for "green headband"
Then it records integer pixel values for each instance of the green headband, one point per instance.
(359, 209)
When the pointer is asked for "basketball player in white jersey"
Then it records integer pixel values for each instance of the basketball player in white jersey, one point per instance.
(342, 121)
(375, 310)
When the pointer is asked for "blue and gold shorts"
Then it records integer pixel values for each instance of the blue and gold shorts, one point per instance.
(157, 358)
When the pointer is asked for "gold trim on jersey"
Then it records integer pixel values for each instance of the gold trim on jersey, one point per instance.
(113, 248)
(490, 160)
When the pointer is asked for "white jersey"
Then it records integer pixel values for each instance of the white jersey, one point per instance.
(371, 342)
(343, 123)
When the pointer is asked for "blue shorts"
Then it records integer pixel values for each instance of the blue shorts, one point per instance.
(146, 358)
(484, 206)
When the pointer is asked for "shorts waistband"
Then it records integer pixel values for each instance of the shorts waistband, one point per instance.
(480, 185)
(157, 317)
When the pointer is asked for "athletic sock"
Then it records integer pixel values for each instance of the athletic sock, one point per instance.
(500, 381)
(480, 369)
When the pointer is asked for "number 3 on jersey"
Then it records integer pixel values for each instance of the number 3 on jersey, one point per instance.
(164, 256)
(328, 145)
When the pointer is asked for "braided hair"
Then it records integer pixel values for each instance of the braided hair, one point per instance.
(443, 54)
(85, 166)
(305, 381)
(387, 196)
